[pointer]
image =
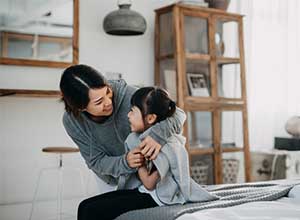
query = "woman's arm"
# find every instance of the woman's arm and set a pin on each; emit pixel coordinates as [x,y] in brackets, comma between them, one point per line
[157,135]
[95,158]
[148,180]
[166,128]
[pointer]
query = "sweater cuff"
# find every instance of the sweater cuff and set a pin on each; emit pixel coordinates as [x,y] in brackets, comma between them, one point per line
[157,138]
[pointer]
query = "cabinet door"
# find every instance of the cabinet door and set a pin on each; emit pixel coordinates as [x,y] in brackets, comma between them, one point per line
[228,50]
[166,34]
[200,130]
[232,130]
[195,33]
[227,37]
[235,161]
[229,83]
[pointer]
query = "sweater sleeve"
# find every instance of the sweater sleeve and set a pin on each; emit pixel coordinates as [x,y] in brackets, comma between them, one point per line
[161,131]
[95,158]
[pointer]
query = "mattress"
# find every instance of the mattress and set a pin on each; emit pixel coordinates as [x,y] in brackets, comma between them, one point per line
[286,208]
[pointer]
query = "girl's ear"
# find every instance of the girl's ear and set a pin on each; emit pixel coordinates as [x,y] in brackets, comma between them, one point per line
[151,118]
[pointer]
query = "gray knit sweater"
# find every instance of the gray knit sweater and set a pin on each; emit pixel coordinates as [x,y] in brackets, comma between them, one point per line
[102,144]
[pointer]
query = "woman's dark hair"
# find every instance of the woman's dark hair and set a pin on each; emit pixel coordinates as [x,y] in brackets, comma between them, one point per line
[152,100]
[75,83]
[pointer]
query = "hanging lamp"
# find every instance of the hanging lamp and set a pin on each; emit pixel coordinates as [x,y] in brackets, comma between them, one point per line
[124,22]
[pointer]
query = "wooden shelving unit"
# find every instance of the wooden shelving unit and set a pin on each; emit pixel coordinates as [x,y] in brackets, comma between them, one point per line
[192,41]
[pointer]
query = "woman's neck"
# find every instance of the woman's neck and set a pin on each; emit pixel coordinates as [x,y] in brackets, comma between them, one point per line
[98,119]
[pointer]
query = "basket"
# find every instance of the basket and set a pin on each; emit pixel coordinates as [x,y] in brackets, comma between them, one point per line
[230,170]
[199,172]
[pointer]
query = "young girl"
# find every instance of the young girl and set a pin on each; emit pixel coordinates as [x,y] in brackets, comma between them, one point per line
[166,182]
[168,179]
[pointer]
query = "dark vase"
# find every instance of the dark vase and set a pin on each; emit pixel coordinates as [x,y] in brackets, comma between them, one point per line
[218,4]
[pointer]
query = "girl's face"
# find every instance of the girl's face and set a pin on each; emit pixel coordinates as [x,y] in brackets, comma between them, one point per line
[136,120]
[100,103]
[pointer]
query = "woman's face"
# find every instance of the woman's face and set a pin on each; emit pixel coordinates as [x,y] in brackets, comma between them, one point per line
[136,120]
[100,103]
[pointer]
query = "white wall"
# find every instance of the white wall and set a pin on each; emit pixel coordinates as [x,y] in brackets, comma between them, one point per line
[29,124]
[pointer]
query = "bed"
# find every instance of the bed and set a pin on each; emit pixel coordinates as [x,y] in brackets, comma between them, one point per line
[276,200]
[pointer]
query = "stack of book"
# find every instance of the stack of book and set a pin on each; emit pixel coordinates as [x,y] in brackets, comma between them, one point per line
[200,3]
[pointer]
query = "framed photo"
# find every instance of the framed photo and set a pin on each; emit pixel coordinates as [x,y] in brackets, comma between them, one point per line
[198,84]
[171,83]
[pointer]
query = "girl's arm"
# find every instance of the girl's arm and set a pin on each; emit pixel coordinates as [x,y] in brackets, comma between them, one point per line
[148,180]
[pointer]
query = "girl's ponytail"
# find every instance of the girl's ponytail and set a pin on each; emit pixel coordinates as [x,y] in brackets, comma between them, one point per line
[172,108]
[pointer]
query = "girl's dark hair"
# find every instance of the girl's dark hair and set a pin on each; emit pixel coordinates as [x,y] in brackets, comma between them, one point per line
[75,83]
[152,100]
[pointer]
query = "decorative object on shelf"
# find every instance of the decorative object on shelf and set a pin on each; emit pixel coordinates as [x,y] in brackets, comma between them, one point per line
[198,84]
[218,4]
[292,126]
[200,3]
[220,47]
[124,22]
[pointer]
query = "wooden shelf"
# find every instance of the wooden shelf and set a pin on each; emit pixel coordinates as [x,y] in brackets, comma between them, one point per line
[200,151]
[198,56]
[30,93]
[228,60]
[232,149]
[193,103]
[166,56]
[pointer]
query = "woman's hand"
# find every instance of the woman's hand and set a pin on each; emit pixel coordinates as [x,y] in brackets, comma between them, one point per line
[134,158]
[150,148]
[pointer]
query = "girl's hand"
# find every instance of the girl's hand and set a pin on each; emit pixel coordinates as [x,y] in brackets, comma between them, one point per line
[134,158]
[150,148]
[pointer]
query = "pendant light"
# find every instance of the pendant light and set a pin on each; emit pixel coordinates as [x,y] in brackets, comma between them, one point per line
[124,22]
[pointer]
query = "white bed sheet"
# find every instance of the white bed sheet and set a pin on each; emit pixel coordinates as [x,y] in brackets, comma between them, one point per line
[287,208]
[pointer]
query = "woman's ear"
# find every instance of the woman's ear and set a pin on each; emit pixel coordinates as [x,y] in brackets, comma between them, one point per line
[151,118]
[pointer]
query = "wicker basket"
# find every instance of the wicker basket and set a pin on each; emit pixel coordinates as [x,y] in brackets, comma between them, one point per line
[230,170]
[199,172]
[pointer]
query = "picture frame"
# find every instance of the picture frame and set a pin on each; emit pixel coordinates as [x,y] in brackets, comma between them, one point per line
[171,83]
[198,84]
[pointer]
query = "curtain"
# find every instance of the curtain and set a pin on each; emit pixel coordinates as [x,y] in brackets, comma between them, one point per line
[272,48]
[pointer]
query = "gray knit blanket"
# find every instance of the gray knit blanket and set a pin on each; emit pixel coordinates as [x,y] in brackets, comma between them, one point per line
[229,195]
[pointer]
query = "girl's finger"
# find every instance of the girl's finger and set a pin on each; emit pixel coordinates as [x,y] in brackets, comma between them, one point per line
[154,155]
[150,152]
[145,150]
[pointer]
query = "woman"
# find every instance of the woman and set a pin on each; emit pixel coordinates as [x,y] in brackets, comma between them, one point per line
[96,120]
